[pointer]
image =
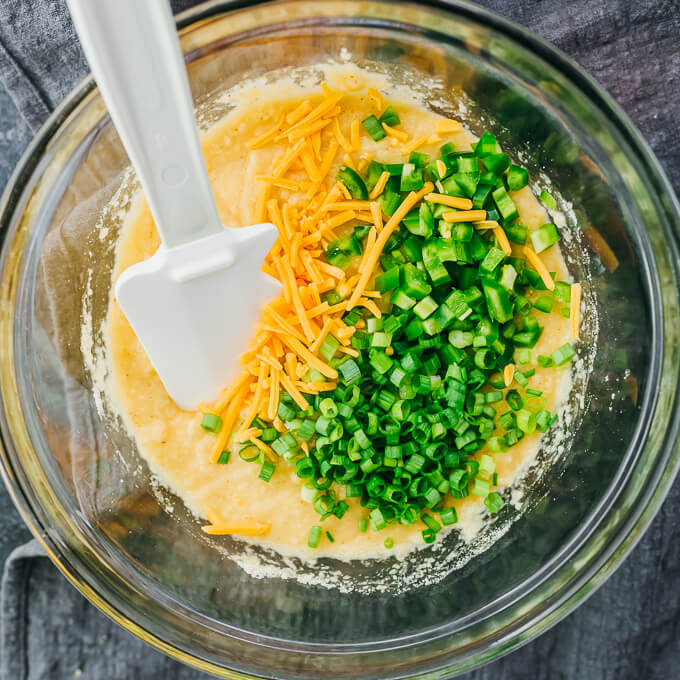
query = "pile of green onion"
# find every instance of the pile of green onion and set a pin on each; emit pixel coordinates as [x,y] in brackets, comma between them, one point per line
[404,430]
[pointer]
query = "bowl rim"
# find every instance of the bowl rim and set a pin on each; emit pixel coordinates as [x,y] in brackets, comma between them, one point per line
[628,535]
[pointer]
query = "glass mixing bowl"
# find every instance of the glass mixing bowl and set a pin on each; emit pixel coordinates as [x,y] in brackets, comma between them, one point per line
[77,478]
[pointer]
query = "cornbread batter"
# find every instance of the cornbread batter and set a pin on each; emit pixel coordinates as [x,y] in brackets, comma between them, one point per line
[172,441]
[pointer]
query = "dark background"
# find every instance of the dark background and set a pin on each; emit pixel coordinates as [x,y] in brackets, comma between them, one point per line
[627,630]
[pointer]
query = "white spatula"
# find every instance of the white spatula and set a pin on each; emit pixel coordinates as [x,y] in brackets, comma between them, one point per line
[193,305]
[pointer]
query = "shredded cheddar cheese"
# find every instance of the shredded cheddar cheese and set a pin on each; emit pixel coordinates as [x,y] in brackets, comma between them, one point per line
[502,239]
[447,126]
[279,182]
[379,186]
[296,114]
[453,201]
[299,197]
[355,129]
[413,144]
[393,132]
[376,97]
[266,449]
[229,422]
[508,374]
[543,272]
[242,528]
[375,251]
[465,216]
[268,136]
[486,224]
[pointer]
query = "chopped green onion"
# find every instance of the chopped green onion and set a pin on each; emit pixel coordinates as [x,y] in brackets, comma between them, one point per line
[562,291]
[517,233]
[505,204]
[497,163]
[563,354]
[480,487]
[544,303]
[493,502]
[354,184]
[547,199]
[314,536]
[411,178]
[211,423]
[388,280]
[373,173]
[448,516]
[517,178]
[267,470]
[390,117]
[413,418]
[374,128]
[514,400]
[544,237]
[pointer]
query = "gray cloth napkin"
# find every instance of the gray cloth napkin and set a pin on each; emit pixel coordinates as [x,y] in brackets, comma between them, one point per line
[629,629]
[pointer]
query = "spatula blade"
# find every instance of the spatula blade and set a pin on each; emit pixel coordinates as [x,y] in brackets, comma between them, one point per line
[194,308]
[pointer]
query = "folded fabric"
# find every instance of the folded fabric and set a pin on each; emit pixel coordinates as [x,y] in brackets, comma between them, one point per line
[628,629]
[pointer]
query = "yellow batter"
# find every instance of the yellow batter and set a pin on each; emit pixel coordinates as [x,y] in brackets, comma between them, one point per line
[171,440]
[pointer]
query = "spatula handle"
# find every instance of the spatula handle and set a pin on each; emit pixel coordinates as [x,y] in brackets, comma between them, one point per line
[134,53]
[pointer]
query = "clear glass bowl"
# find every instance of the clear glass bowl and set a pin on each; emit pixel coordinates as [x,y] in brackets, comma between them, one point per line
[80,486]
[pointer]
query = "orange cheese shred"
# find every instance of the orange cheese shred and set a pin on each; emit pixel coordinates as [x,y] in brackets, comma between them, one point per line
[465,216]
[314,115]
[376,97]
[314,347]
[453,201]
[379,185]
[413,144]
[370,244]
[298,112]
[354,130]
[245,435]
[279,182]
[267,450]
[281,322]
[543,272]
[352,204]
[252,409]
[503,242]
[376,216]
[291,364]
[326,164]
[295,394]
[240,528]
[370,305]
[309,164]
[268,136]
[342,140]
[447,126]
[309,358]
[229,421]
[486,224]
[508,374]
[375,252]
[397,134]
[227,394]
